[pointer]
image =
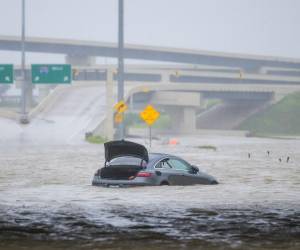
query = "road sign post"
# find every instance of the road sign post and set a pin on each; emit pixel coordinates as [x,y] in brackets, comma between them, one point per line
[150,115]
[120,108]
[120,128]
[51,73]
[119,118]
[150,136]
[6,74]
[24,116]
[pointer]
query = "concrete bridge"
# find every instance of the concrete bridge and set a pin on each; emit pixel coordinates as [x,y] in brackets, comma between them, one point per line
[84,52]
[178,74]
[183,92]
[218,77]
[185,102]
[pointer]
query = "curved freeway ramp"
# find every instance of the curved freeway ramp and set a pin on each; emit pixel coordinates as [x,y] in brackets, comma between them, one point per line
[64,119]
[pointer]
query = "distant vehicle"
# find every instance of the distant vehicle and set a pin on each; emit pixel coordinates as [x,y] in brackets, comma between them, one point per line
[129,164]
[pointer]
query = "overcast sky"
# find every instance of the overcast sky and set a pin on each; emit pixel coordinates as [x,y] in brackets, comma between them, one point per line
[263,27]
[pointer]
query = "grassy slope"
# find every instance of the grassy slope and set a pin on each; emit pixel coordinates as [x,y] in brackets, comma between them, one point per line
[96,139]
[283,118]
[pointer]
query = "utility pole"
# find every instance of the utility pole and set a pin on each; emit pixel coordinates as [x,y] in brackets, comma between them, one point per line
[120,130]
[24,118]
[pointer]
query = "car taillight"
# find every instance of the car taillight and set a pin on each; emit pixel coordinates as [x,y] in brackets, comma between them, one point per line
[144,174]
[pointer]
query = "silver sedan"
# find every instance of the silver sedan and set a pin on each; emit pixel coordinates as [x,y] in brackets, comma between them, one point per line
[129,164]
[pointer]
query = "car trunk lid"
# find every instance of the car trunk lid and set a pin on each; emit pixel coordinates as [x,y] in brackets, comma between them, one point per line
[123,169]
[115,149]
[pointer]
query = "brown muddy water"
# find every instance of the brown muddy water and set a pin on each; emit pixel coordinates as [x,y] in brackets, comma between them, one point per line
[47,201]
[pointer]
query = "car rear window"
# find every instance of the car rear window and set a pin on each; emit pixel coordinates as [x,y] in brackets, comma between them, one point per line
[127,160]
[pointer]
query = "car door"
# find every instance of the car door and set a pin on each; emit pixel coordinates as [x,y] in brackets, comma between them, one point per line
[168,172]
[183,172]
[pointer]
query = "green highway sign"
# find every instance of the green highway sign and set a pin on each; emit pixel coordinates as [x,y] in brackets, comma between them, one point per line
[51,73]
[6,73]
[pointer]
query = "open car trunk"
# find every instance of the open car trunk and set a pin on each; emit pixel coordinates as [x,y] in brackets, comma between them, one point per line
[123,159]
[119,172]
[115,149]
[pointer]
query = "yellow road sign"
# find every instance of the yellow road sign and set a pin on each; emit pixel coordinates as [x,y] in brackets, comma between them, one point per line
[149,115]
[118,118]
[121,107]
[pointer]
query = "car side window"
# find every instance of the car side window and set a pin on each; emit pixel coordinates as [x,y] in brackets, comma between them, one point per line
[163,164]
[179,165]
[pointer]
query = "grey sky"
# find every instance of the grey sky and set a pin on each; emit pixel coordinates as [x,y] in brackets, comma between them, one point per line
[264,27]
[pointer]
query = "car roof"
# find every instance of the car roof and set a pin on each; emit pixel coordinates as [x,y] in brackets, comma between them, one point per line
[157,156]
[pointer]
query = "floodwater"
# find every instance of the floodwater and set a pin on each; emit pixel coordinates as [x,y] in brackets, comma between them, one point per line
[47,201]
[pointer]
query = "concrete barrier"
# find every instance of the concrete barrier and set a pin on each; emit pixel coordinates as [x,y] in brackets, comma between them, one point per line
[51,98]
[9,114]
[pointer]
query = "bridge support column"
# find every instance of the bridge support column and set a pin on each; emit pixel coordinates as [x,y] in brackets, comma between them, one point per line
[165,77]
[106,128]
[29,95]
[109,105]
[183,119]
[81,60]
[189,120]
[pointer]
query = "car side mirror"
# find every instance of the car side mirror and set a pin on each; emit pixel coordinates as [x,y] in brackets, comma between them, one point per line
[195,169]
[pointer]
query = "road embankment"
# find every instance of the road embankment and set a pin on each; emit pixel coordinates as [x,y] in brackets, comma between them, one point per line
[8,113]
[282,118]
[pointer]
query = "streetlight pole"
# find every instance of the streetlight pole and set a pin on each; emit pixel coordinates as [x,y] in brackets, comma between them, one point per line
[120,131]
[23,118]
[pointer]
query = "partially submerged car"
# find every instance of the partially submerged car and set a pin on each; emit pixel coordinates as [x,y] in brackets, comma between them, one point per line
[129,164]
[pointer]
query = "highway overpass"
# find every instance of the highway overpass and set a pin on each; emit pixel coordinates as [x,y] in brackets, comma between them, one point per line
[83,52]
[185,102]
[178,74]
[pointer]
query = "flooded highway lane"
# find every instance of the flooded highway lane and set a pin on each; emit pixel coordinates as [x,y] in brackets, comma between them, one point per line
[47,201]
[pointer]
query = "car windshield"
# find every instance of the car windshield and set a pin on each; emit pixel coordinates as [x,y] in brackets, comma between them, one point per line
[127,160]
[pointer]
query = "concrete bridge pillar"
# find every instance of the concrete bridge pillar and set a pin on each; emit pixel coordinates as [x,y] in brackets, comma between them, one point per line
[182,108]
[109,104]
[29,95]
[189,120]
[80,60]
[28,92]
[183,119]
[106,128]
[165,77]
